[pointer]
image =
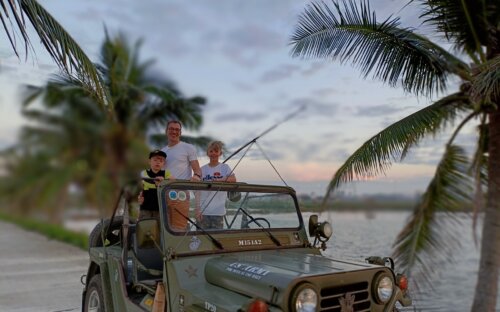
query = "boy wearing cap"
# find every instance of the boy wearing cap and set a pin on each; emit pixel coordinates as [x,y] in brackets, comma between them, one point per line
[148,197]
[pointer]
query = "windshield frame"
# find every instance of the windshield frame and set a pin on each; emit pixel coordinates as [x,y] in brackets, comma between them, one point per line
[185,185]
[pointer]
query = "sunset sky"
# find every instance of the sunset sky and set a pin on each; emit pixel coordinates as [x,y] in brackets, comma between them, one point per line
[236,53]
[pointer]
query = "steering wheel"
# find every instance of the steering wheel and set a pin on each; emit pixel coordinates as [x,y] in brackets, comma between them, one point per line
[256,221]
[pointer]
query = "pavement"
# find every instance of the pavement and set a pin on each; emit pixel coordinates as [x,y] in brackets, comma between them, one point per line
[37,273]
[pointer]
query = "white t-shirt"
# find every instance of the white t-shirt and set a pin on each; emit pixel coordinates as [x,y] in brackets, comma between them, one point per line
[215,206]
[179,159]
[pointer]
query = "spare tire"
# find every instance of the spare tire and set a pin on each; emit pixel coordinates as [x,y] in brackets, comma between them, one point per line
[111,237]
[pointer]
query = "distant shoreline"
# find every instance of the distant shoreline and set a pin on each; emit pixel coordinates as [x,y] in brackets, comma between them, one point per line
[364,205]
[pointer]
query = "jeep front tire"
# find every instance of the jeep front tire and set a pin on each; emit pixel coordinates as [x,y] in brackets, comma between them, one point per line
[94,301]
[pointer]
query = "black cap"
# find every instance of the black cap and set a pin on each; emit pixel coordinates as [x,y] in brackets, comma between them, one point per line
[157,153]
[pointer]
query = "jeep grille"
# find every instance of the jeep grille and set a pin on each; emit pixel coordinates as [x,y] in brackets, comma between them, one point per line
[330,297]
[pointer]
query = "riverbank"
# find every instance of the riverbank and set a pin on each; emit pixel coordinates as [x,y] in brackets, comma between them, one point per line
[52,231]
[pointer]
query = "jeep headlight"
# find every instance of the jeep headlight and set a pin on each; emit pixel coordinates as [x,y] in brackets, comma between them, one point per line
[384,287]
[305,299]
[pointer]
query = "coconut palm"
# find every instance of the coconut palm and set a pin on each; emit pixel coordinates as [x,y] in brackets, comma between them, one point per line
[72,141]
[59,44]
[58,150]
[350,32]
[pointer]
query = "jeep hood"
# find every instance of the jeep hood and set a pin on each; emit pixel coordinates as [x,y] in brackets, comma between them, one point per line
[265,274]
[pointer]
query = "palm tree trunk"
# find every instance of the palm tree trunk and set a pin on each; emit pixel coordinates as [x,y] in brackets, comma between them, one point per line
[118,146]
[487,284]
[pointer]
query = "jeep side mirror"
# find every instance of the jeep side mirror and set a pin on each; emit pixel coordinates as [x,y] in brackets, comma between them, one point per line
[321,231]
[147,233]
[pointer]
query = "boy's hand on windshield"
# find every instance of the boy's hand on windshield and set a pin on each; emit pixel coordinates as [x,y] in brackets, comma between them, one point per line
[140,198]
[158,180]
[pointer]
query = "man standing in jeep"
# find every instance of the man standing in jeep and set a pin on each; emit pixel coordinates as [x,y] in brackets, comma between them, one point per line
[182,159]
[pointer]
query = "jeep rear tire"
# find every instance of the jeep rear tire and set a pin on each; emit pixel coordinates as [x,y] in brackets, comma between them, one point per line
[113,237]
[94,300]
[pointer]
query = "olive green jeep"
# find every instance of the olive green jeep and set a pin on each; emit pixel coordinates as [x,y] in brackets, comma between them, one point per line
[256,257]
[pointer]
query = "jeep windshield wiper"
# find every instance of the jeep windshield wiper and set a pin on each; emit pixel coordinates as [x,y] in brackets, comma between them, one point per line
[213,239]
[254,220]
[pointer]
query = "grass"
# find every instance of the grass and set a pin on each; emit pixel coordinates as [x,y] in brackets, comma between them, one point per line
[52,231]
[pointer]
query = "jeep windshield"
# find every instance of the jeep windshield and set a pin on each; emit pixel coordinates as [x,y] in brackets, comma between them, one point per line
[233,215]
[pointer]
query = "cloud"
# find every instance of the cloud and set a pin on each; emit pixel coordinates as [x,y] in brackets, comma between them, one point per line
[275,150]
[314,68]
[314,107]
[189,30]
[240,116]
[286,71]
[278,73]
[324,92]
[377,110]
[255,37]
[247,59]
[294,149]
[336,154]
[349,140]
[330,135]
[23,73]
[243,86]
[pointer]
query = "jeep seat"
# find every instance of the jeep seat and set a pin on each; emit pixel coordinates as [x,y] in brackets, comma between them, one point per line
[148,260]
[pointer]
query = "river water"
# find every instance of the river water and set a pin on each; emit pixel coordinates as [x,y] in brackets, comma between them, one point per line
[359,235]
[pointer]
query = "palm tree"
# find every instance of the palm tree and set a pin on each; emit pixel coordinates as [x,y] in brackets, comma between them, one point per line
[59,44]
[349,32]
[77,142]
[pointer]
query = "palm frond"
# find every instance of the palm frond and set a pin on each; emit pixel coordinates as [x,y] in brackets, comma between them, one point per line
[165,106]
[19,24]
[38,183]
[486,84]
[38,136]
[49,119]
[466,22]
[431,232]
[200,142]
[59,44]
[392,144]
[394,55]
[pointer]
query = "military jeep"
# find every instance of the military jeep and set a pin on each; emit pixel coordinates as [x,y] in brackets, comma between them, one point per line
[259,259]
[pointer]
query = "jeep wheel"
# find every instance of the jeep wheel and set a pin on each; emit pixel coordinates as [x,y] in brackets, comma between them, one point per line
[94,301]
[113,237]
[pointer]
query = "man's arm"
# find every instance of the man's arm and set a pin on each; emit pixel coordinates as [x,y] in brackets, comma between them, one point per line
[195,165]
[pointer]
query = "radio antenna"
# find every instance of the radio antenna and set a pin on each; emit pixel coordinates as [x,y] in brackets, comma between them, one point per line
[254,140]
